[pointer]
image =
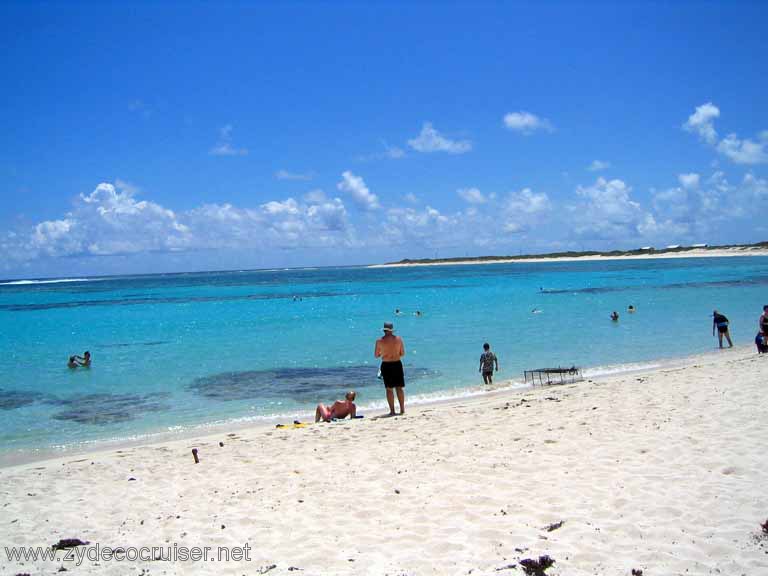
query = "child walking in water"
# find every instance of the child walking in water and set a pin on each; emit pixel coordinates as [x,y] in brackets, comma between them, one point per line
[487,361]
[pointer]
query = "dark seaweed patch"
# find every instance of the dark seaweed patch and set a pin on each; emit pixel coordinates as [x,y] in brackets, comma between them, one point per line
[100,409]
[300,384]
[12,399]
[159,300]
[754,281]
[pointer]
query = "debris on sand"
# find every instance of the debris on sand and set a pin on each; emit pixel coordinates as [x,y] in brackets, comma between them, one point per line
[637,572]
[68,543]
[536,567]
[554,526]
[764,526]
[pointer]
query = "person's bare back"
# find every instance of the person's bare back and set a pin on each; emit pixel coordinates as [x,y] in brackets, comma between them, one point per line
[389,348]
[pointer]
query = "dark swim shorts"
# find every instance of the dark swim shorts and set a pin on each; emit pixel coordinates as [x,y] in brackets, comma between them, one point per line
[392,374]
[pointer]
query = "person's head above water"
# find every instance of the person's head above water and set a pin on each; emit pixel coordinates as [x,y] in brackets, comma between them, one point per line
[351,396]
[389,327]
[71,359]
[486,346]
[87,354]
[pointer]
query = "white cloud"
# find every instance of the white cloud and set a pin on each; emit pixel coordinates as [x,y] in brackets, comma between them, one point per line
[356,188]
[702,122]
[598,166]
[286,175]
[316,196]
[526,122]
[411,198]
[430,140]
[527,202]
[111,221]
[689,181]
[745,151]
[224,146]
[607,211]
[472,195]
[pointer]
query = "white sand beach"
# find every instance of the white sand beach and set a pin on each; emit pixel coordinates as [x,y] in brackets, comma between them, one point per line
[662,471]
[694,253]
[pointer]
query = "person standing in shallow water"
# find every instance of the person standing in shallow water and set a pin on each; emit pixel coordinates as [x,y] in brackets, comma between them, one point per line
[487,360]
[390,349]
[720,322]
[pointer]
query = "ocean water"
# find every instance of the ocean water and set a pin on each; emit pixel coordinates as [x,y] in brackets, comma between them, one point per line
[182,351]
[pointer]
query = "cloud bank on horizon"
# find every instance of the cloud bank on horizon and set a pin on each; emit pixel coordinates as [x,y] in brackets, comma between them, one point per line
[111,220]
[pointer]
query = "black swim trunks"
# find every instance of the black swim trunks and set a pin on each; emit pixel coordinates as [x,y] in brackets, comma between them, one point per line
[392,374]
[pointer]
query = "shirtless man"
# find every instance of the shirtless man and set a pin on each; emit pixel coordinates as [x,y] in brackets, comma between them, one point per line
[340,409]
[763,322]
[390,349]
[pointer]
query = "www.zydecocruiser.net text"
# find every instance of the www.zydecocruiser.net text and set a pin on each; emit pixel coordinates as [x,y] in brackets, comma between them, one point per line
[97,553]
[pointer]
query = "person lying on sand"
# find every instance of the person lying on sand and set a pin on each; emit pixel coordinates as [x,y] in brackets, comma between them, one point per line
[340,409]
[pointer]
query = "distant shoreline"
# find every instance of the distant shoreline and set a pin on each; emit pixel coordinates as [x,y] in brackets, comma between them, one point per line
[709,252]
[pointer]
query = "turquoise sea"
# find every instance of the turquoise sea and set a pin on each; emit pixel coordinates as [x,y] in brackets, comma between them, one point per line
[178,352]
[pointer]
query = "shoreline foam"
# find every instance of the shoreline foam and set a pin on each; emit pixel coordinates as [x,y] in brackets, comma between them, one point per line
[373,408]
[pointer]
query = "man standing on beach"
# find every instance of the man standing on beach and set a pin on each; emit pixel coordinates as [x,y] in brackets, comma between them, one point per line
[390,349]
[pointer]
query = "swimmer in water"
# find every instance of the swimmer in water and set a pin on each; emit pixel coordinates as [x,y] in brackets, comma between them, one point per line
[615,316]
[397,312]
[535,311]
[84,360]
[72,362]
[631,309]
[417,313]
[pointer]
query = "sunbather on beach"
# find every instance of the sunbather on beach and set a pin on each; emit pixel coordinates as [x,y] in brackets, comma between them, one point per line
[339,410]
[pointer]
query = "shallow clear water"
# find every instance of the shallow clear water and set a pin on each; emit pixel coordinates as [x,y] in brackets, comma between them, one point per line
[176,351]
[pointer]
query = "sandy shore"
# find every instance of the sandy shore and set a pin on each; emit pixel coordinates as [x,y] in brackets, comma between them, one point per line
[663,471]
[695,253]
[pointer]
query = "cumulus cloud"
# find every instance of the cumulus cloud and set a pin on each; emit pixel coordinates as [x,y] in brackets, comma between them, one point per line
[606,211]
[526,122]
[286,175]
[472,195]
[701,122]
[689,181]
[430,140]
[224,146]
[356,188]
[527,202]
[111,221]
[745,151]
[598,166]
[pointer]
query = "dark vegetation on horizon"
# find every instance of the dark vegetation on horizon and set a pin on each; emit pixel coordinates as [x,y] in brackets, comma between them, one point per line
[574,254]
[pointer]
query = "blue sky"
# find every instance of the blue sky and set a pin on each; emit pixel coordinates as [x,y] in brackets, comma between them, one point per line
[150,137]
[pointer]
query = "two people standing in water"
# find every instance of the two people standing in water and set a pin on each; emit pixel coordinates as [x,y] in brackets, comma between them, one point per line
[83,361]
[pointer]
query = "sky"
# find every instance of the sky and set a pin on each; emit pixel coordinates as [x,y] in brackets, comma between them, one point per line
[161,137]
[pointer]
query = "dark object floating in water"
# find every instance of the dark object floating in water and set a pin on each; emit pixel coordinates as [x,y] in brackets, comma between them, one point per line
[304,385]
[12,399]
[553,375]
[537,567]
[68,543]
[108,408]
[554,526]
